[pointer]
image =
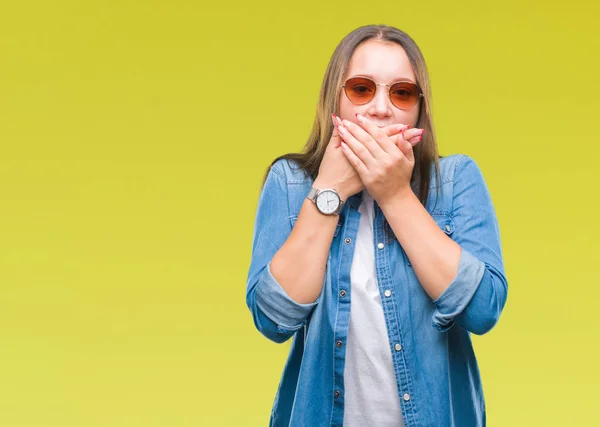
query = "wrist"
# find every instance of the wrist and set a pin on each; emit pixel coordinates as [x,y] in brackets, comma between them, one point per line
[323,184]
[402,196]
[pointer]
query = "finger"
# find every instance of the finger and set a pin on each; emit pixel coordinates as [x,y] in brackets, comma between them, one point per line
[357,147]
[335,133]
[400,141]
[414,140]
[354,160]
[379,135]
[406,140]
[338,122]
[366,139]
[335,136]
[410,133]
[395,129]
[395,133]
[406,146]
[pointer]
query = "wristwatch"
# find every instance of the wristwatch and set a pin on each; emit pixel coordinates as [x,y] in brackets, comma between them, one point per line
[327,200]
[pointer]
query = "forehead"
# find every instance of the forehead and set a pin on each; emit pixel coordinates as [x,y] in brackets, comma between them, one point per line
[385,62]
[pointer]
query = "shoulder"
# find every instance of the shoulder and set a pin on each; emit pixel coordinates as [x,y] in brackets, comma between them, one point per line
[293,184]
[466,182]
[457,167]
[290,172]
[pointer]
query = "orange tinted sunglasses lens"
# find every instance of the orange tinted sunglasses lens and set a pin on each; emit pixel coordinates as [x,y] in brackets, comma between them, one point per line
[404,94]
[361,90]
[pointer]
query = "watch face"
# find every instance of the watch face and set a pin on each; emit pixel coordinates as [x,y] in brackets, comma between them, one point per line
[328,201]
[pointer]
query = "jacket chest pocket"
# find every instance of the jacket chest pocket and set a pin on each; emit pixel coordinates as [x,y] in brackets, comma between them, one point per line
[445,223]
[293,219]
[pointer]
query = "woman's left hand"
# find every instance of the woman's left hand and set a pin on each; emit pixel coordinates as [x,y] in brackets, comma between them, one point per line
[384,167]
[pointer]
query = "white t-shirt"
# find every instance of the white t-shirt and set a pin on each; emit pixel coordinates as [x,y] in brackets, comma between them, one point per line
[371,394]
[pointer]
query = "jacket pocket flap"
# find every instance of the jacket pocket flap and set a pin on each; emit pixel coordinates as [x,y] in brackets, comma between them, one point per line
[445,223]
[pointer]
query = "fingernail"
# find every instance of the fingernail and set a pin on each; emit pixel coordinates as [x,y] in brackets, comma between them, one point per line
[360,118]
[333,119]
[422,131]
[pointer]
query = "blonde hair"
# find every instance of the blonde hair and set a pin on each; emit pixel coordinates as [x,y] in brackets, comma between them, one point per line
[425,152]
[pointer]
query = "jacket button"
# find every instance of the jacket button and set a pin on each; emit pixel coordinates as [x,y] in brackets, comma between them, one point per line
[387,293]
[342,293]
[338,343]
[397,347]
[380,245]
[447,228]
[336,393]
[348,240]
[406,397]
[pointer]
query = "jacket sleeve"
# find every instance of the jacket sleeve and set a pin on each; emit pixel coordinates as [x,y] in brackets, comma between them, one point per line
[477,294]
[275,314]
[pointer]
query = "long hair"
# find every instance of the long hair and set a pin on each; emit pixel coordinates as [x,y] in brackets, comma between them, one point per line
[425,152]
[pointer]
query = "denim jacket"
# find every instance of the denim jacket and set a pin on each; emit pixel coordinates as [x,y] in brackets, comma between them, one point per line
[434,363]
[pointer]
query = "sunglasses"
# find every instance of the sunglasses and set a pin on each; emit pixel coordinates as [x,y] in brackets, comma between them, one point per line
[403,95]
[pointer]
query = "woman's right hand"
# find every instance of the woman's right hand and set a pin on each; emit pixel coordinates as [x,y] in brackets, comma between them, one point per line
[335,171]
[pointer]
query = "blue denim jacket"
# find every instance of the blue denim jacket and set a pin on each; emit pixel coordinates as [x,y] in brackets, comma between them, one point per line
[435,367]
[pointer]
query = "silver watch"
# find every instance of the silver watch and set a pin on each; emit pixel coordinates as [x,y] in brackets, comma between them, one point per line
[327,200]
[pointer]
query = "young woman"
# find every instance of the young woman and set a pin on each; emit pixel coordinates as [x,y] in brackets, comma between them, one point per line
[375,255]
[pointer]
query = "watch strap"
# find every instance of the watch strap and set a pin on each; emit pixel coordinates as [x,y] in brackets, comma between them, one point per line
[340,207]
[312,194]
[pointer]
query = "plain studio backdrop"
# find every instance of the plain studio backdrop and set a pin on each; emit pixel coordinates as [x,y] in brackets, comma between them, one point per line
[133,139]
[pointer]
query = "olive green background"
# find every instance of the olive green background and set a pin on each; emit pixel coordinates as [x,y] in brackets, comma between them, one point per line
[133,138]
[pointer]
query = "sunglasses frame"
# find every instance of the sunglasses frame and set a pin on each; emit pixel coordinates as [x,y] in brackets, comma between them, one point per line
[389,91]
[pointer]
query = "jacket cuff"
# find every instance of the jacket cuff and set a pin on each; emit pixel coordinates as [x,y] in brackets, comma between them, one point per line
[460,291]
[277,305]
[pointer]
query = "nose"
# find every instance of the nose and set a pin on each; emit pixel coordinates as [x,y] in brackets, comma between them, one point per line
[380,105]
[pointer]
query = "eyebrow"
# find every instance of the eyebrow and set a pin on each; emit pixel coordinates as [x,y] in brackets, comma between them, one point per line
[400,79]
